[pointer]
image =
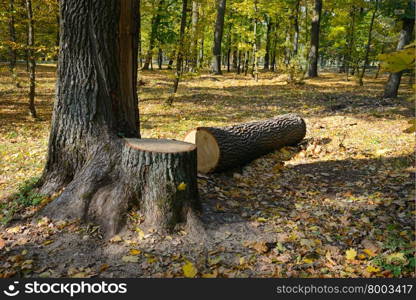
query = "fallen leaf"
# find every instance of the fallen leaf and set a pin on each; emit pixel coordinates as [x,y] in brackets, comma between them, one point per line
[189,270]
[2,243]
[116,239]
[182,186]
[130,258]
[135,252]
[372,269]
[350,254]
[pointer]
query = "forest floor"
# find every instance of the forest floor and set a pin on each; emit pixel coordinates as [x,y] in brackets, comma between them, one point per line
[339,205]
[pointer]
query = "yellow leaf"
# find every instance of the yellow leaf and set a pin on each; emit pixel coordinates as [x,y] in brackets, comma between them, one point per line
[135,252]
[182,186]
[140,233]
[307,260]
[130,258]
[116,239]
[45,243]
[350,254]
[369,252]
[371,269]
[189,270]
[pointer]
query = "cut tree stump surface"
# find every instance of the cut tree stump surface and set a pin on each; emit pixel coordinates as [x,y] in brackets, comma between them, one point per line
[160,145]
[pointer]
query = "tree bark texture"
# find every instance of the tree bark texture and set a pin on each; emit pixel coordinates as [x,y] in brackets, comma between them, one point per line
[392,86]
[166,179]
[219,28]
[314,50]
[31,58]
[96,106]
[224,148]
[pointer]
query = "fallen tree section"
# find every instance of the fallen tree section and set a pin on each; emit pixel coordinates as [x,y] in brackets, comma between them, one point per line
[222,148]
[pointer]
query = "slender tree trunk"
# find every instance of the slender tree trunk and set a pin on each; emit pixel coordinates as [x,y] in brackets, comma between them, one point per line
[12,50]
[160,58]
[139,33]
[239,62]
[219,27]
[235,59]
[247,60]
[31,58]
[255,58]
[194,43]
[350,47]
[296,28]
[268,45]
[153,34]
[392,86]
[179,59]
[368,46]
[314,50]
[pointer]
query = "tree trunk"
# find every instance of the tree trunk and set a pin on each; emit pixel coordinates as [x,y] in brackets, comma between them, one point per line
[160,58]
[167,181]
[296,28]
[220,149]
[96,105]
[12,50]
[179,59]
[153,34]
[368,46]
[392,86]
[194,42]
[314,50]
[219,26]
[31,58]
[139,34]
[268,44]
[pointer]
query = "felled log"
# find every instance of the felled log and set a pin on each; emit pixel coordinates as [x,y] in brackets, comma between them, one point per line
[166,173]
[223,148]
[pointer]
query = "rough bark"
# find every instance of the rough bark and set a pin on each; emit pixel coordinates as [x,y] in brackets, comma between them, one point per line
[166,176]
[31,58]
[220,149]
[314,50]
[392,86]
[96,106]
[139,34]
[219,27]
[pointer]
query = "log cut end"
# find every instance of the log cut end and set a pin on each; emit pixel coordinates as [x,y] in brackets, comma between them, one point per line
[208,151]
[160,145]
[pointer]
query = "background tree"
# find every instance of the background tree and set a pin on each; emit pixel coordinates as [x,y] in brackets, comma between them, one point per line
[314,50]
[219,28]
[408,22]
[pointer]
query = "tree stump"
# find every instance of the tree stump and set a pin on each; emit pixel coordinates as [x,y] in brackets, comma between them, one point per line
[228,147]
[167,173]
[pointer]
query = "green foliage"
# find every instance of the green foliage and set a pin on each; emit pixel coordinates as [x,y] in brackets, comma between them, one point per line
[398,60]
